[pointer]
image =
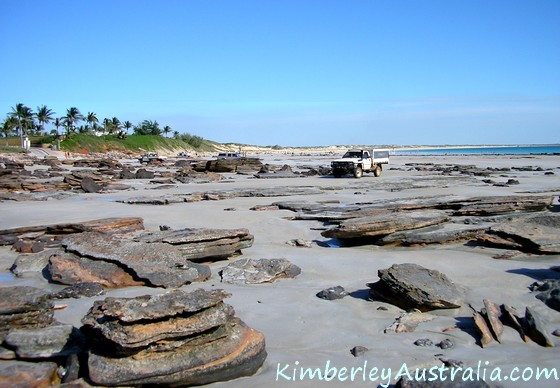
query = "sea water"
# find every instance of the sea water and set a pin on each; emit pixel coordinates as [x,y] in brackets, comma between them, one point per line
[553,149]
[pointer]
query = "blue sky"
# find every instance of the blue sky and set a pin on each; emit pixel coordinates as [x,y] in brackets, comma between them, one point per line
[294,72]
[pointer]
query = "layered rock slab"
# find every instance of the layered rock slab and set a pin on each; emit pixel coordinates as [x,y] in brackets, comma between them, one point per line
[177,338]
[386,223]
[410,286]
[158,264]
[537,233]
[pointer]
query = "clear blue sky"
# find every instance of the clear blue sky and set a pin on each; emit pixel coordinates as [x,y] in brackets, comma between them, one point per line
[294,72]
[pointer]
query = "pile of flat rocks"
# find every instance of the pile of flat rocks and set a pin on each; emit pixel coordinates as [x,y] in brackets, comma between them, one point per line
[177,338]
[35,349]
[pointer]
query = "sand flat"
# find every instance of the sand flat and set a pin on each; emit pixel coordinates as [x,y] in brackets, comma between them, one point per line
[302,330]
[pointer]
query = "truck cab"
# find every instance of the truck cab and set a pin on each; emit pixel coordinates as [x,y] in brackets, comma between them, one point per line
[358,161]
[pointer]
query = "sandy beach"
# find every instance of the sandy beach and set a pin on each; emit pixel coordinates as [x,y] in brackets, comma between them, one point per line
[303,331]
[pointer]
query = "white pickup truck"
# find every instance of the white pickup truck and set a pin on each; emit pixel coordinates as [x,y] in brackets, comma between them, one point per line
[357,162]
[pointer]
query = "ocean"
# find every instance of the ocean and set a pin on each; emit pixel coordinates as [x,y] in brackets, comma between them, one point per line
[553,149]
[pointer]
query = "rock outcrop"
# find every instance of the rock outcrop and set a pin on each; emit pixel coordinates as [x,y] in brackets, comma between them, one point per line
[534,233]
[411,286]
[177,338]
[251,271]
[157,264]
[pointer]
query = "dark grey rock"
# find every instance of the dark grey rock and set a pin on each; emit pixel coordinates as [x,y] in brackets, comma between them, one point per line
[424,342]
[385,223]
[535,233]
[446,344]
[47,342]
[90,186]
[251,271]
[142,173]
[358,351]
[411,286]
[202,243]
[80,290]
[549,293]
[332,293]
[536,329]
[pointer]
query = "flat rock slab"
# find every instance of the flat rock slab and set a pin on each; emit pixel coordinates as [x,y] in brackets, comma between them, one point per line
[70,269]
[158,264]
[252,271]
[104,225]
[202,243]
[536,233]
[437,234]
[28,374]
[24,306]
[488,206]
[153,307]
[51,341]
[410,286]
[385,223]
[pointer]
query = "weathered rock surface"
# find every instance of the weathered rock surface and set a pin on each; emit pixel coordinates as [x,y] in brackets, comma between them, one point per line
[536,329]
[24,306]
[232,165]
[251,271]
[411,286]
[535,233]
[493,314]
[70,269]
[437,234]
[80,290]
[28,374]
[32,263]
[202,243]
[509,316]
[332,293]
[481,325]
[176,338]
[156,263]
[408,322]
[384,224]
[47,342]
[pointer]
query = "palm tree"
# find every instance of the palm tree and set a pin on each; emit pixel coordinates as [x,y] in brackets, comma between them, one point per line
[166,130]
[57,124]
[91,120]
[44,116]
[176,135]
[24,117]
[127,125]
[73,116]
[115,125]
[8,127]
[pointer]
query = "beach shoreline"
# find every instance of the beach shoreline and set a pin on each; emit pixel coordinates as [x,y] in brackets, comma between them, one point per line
[303,331]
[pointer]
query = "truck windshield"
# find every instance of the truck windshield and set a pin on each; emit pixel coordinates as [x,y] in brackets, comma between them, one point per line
[353,154]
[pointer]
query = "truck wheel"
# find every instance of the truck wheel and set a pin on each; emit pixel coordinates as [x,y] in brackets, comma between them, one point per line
[377,170]
[358,172]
